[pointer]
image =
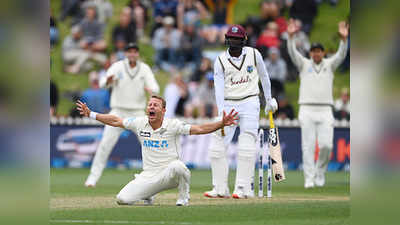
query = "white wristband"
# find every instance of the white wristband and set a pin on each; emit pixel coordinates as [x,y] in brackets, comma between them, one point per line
[93,115]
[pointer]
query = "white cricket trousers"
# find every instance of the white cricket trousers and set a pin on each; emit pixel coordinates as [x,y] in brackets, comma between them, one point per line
[108,141]
[149,183]
[248,113]
[316,124]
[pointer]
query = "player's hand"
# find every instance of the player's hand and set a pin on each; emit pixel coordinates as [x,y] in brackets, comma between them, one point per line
[82,108]
[271,105]
[343,30]
[229,119]
[292,28]
[110,79]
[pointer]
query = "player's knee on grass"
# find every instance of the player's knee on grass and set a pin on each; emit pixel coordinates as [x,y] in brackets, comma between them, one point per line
[178,168]
[123,200]
[247,145]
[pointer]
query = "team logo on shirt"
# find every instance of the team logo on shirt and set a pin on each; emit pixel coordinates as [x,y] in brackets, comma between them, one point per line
[250,69]
[144,134]
[235,29]
[155,144]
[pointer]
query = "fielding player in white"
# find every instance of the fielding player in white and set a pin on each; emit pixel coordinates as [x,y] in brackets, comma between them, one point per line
[236,75]
[316,101]
[130,79]
[159,137]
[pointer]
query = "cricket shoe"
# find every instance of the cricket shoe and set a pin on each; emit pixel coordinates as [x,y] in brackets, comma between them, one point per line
[309,184]
[240,194]
[213,194]
[90,182]
[182,202]
[146,201]
[184,195]
[319,180]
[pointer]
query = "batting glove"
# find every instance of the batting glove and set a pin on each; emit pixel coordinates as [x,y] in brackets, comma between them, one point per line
[271,105]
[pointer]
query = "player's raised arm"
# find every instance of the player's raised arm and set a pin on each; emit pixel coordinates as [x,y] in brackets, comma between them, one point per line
[294,54]
[340,55]
[107,119]
[206,128]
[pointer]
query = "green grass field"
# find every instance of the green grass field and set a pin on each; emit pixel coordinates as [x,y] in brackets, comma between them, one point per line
[291,204]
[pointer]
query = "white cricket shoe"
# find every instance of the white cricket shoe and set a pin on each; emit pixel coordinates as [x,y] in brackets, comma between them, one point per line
[308,184]
[213,194]
[182,202]
[146,201]
[319,180]
[90,181]
[240,194]
[184,195]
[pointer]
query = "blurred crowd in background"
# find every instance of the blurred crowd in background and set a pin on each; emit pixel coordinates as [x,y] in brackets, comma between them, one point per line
[181,39]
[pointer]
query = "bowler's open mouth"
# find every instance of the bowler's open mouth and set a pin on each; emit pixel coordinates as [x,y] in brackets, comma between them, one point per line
[152,113]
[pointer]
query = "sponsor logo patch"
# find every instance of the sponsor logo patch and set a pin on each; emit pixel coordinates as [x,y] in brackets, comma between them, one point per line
[240,81]
[144,134]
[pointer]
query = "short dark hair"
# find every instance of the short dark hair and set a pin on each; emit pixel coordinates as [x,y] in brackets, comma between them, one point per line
[131,45]
[317,45]
[164,103]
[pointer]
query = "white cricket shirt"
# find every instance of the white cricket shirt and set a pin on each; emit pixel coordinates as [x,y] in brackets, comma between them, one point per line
[159,147]
[316,80]
[129,83]
[237,77]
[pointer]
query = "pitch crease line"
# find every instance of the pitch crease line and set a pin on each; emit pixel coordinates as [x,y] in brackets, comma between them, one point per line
[118,222]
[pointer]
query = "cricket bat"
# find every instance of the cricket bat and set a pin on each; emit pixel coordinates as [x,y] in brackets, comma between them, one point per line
[275,151]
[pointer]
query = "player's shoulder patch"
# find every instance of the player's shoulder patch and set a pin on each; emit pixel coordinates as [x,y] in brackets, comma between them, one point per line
[131,119]
[129,122]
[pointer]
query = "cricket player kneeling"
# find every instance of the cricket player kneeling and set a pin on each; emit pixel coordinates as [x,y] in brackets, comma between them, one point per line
[159,137]
[149,183]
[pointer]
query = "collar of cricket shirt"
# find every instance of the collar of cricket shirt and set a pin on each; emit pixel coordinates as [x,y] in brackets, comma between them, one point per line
[132,72]
[241,57]
[161,129]
[317,67]
[235,58]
